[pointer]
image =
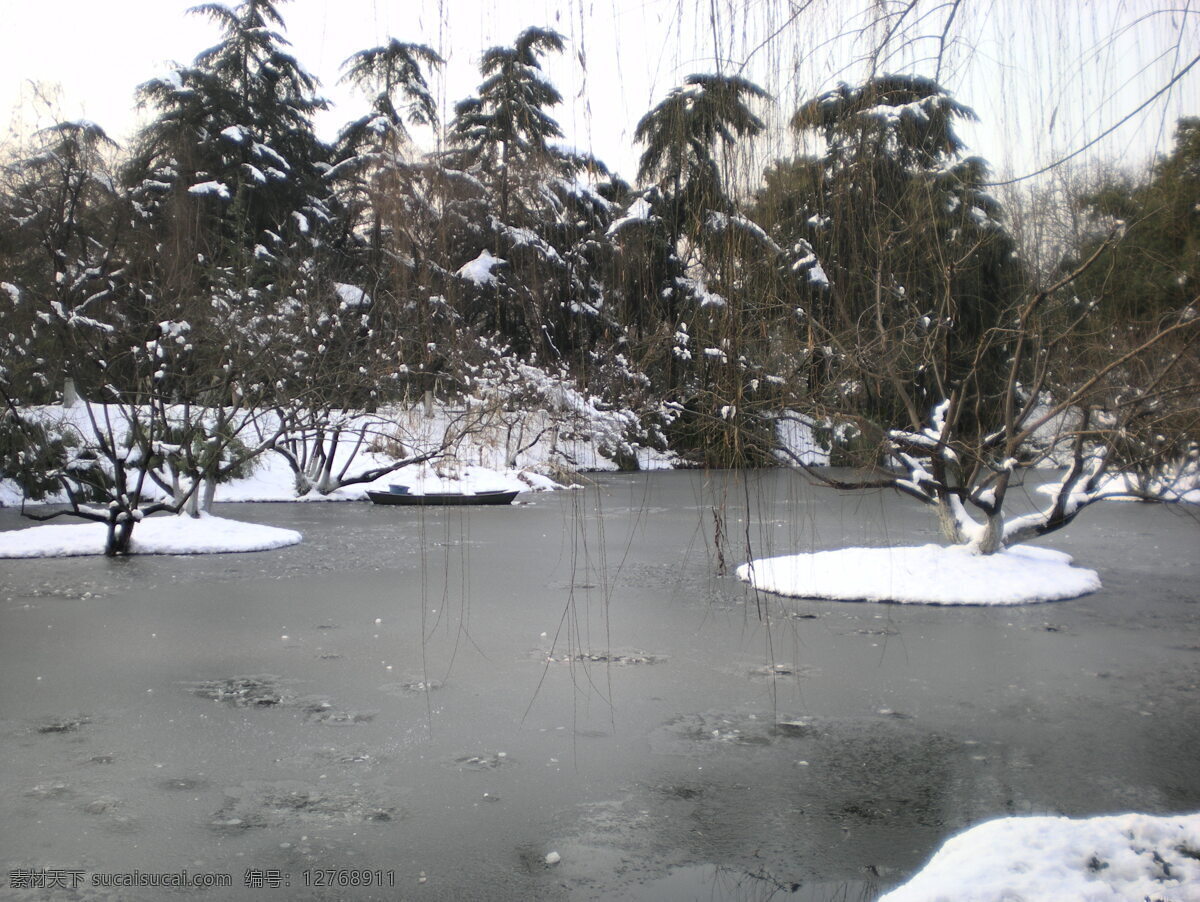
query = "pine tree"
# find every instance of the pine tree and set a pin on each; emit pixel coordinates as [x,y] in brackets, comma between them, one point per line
[373,150]
[687,250]
[233,142]
[230,195]
[684,136]
[506,127]
[544,208]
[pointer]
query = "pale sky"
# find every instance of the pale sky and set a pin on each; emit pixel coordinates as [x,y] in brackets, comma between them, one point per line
[1046,76]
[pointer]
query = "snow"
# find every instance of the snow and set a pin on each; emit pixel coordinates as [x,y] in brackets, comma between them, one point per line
[273,480]
[527,238]
[718,222]
[928,574]
[210,188]
[482,444]
[351,296]
[172,79]
[467,479]
[153,535]
[798,442]
[893,113]
[1177,484]
[638,211]
[479,270]
[265,152]
[1041,859]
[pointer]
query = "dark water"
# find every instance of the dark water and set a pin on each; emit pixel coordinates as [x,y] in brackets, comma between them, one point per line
[440,699]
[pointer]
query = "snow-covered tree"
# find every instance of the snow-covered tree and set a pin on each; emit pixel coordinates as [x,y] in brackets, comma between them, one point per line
[906,237]
[529,253]
[233,132]
[685,252]
[684,138]
[60,224]
[960,371]
[506,126]
[373,152]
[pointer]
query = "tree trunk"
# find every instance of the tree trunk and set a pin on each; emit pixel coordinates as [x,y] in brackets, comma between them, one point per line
[957,527]
[992,539]
[210,494]
[120,534]
[948,524]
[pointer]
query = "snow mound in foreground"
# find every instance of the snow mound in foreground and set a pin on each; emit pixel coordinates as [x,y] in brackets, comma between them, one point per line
[929,574]
[1039,859]
[154,535]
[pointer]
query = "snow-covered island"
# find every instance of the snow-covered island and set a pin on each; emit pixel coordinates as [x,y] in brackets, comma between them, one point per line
[163,534]
[928,574]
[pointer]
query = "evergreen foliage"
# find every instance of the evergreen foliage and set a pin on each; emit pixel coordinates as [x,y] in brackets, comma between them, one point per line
[1155,269]
[918,264]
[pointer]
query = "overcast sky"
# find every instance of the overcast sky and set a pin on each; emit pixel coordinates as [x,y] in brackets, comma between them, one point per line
[1046,76]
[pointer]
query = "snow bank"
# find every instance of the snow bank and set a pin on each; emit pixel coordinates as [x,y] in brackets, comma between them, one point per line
[929,574]
[154,535]
[1046,859]
[469,480]
[527,449]
[798,444]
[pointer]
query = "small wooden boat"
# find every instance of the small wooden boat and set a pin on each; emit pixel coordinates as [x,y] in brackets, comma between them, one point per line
[442,498]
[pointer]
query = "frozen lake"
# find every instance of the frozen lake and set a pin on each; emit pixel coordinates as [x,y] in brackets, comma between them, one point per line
[440,699]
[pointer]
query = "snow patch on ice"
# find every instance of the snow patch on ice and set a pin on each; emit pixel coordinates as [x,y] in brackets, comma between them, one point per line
[154,535]
[1040,859]
[929,574]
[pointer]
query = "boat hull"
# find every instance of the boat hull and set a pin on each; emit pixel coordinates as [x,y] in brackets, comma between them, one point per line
[454,499]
